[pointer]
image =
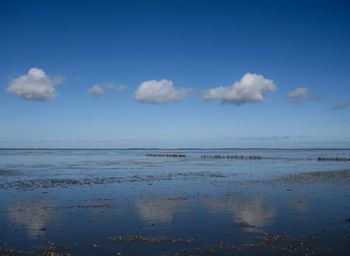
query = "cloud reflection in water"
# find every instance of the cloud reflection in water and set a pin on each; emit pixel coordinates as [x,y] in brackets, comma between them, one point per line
[248,213]
[32,215]
[153,208]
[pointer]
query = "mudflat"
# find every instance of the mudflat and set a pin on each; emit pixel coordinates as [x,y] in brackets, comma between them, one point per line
[133,202]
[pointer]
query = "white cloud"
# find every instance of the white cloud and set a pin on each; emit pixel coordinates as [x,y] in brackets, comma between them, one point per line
[299,95]
[35,85]
[159,92]
[251,88]
[96,90]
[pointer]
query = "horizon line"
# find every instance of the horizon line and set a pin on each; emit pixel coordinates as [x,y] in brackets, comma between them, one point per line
[177,148]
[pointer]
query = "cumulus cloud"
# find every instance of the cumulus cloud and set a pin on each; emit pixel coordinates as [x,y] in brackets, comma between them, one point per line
[35,85]
[251,88]
[159,92]
[341,105]
[96,90]
[299,95]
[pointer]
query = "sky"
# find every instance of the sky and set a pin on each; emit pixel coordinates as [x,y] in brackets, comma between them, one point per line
[170,74]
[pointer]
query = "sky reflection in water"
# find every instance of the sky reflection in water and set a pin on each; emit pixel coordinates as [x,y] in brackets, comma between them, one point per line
[209,201]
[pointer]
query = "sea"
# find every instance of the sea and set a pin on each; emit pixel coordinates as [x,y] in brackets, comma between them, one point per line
[174,201]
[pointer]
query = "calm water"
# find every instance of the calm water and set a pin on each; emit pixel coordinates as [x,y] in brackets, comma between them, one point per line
[92,202]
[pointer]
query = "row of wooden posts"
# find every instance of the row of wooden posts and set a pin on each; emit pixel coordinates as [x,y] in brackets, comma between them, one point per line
[244,157]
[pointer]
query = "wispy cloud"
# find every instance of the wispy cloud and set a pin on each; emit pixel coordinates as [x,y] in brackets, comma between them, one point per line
[159,92]
[262,138]
[250,89]
[341,105]
[96,90]
[300,95]
[35,85]
[117,88]
[303,136]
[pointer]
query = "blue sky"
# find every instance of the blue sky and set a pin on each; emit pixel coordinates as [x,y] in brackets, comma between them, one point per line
[174,74]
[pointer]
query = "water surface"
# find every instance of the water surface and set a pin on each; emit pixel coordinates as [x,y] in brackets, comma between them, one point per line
[105,202]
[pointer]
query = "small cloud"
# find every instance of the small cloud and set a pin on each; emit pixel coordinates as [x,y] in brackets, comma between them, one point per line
[341,105]
[268,138]
[250,89]
[35,85]
[96,90]
[299,95]
[304,136]
[117,88]
[121,88]
[159,92]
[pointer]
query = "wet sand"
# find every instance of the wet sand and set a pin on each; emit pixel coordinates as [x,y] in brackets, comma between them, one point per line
[176,207]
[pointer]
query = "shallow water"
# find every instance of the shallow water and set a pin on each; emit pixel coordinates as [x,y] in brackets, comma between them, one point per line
[104,202]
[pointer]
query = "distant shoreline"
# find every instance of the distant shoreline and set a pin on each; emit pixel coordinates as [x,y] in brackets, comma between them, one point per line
[39,148]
